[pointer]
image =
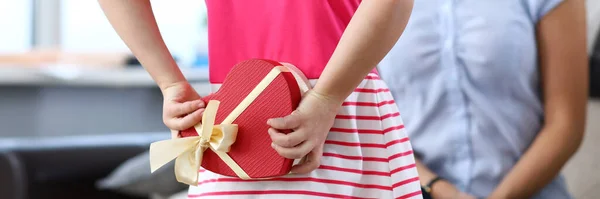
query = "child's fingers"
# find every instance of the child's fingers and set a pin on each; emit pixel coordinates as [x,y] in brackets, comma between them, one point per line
[312,162]
[187,121]
[178,109]
[295,152]
[175,134]
[291,121]
[192,119]
[286,140]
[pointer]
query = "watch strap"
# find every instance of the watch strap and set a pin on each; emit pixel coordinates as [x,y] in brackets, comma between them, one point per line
[428,186]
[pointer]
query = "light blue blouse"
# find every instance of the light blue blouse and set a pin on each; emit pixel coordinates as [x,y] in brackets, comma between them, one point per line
[465,77]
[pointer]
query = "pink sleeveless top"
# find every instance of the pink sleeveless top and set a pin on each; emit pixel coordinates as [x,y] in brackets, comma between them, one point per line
[303,33]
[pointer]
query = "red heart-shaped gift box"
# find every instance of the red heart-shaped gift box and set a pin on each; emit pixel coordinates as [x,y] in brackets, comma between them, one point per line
[252,149]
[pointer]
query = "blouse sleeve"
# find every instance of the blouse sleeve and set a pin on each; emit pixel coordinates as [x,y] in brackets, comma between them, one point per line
[539,8]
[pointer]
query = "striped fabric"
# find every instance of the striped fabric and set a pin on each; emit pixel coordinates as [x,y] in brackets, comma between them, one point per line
[366,155]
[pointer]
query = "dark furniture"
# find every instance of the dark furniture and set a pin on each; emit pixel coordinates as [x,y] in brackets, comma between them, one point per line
[595,68]
[66,167]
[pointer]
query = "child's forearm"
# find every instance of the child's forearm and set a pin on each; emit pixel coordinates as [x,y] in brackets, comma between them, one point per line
[372,32]
[134,22]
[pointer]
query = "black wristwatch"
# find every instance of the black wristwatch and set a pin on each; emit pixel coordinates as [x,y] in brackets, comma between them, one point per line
[427,188]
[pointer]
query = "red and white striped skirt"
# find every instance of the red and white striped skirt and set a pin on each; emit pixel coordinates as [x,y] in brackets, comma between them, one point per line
[367,154]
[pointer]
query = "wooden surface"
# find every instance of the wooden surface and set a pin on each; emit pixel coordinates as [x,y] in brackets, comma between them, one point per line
[68,75]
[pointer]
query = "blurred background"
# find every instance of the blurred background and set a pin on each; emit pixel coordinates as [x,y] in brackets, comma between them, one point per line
[77,112]
[61,63]
[75,105]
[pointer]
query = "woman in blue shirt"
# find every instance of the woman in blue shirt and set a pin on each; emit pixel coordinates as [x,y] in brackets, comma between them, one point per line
[493,94]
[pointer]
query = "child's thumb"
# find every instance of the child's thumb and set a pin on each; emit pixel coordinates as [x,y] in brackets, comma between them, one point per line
[291,121]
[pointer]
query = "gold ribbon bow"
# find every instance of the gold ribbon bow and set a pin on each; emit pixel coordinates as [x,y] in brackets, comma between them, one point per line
[188,151]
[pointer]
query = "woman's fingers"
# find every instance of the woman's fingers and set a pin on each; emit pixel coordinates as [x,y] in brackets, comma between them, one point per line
[286,140]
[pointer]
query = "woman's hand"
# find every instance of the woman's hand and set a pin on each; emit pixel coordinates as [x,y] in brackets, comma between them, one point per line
[462,195]
[182,107]
[445,190]
[442,189]
[310,123]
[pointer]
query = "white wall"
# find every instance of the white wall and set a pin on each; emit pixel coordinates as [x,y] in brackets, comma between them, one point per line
[593,13]
[15,23]
[85,28]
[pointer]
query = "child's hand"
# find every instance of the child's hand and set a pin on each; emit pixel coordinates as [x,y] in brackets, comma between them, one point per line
[182,107]
[311,123]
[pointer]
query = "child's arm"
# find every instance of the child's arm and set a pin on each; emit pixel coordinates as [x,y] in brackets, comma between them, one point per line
[372,32]
[135,24]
